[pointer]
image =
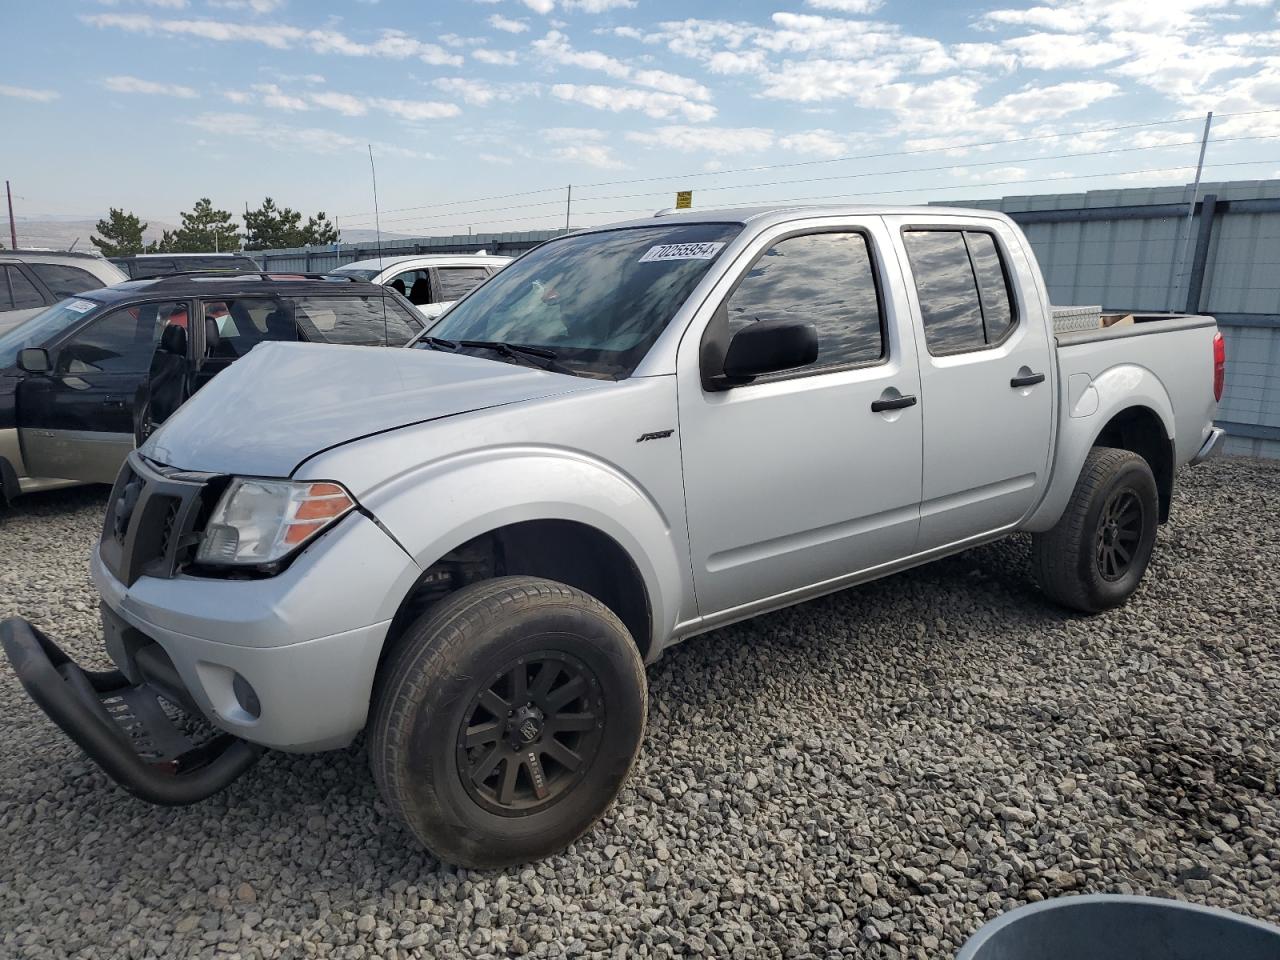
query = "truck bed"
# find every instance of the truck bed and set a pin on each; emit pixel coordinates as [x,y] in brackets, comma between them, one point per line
[1142,324]
[1169,368]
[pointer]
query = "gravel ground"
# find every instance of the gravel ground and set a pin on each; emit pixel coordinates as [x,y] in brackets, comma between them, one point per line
[874,774]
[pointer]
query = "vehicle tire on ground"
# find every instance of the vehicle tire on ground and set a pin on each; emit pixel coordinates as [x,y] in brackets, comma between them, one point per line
[506,720]
[1096,554]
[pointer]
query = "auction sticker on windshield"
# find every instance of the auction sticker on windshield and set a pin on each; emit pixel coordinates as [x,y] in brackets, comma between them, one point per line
[682,251]
[81,306]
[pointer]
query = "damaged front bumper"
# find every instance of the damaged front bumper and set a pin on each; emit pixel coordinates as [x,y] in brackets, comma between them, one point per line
[123,726]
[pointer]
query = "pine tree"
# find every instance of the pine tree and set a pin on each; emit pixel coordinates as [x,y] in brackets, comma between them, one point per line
[121,234]
[321,231]
[204,230]
[270,227]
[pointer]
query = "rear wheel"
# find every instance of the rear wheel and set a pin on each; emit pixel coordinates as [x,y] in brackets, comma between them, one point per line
[507,720]
[1095,556]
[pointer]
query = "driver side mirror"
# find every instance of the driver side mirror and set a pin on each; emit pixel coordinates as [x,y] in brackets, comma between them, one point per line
[34,360]
[767,346]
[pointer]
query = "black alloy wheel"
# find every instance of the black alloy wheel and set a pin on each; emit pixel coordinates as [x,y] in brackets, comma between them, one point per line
[1119,531]
[530,734]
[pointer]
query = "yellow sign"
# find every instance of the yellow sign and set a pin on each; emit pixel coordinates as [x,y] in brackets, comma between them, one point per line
[684,200]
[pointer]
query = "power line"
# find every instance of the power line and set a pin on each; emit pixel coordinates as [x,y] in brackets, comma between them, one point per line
[425,221]
[827,160]
[877,193]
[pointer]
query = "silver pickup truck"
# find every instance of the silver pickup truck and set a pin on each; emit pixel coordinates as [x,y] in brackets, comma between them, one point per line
[634,434]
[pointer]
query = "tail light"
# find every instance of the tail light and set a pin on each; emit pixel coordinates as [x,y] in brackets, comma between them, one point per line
[1219,366]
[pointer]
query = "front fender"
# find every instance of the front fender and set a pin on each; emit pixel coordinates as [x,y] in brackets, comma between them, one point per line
[1085,412]
[438,507]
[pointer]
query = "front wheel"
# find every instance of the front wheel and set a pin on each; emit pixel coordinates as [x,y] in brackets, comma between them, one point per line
[507,720]
[1095,555]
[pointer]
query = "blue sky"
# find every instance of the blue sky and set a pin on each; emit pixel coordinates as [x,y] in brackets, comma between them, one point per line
[150,104]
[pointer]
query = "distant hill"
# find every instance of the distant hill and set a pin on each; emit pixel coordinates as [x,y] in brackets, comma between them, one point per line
[58,233]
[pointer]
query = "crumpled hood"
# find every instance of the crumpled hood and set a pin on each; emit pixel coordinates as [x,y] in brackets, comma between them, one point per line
[285,402]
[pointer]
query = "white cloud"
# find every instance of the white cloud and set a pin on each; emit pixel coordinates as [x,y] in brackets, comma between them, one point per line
[255,6]
[820,143]
[586,145]
[28,93]
[507,24]
[808,81]
[123,84]
[847,6]
[416,109]
[555,48]
[591,154]
[651,103]
[596,6]
[391,44]
[343,103]
[169,4]
[540,6]
[705,139]
[271,96]
[300,140]
[1065,51]
[573,134]
[501,58]
[730,62]
[1049,103]
[277,99]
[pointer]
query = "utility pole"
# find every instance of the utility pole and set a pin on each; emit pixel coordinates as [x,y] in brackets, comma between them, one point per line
[1191,207]
[568,206]
[13,229]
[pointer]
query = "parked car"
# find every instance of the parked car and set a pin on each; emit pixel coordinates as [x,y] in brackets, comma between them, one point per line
[630,436]
[31,280]
[433,283]
[85,380]
[144,266]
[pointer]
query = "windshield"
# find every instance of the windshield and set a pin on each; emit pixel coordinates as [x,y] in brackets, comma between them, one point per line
[357,272]
[597,300]
[43,327]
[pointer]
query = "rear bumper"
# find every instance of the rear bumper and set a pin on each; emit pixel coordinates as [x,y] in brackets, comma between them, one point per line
[1212,445]
[122,726]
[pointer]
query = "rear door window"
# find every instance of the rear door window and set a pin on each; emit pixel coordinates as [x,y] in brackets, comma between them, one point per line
[414,284]
[361,321]
[457,282]
[962,287]
[64,281]
[234,327]
[17,292]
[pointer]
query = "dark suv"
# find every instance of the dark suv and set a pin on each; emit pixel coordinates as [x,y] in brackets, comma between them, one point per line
[83,382]
[144,266]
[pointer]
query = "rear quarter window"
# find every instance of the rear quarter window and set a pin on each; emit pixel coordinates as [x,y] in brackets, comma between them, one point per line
[64,281]
[367,321]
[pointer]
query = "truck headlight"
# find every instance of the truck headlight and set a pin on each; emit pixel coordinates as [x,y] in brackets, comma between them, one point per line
[262,521]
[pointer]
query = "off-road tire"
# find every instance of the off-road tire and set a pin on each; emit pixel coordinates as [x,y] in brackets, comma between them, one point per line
[426,692]
[1065,559]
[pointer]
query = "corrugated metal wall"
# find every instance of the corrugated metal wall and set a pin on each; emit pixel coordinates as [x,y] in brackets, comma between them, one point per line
[1136,250]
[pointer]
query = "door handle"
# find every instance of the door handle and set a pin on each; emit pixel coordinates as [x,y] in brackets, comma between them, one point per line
[113,403]
[897,403]
[1028,381]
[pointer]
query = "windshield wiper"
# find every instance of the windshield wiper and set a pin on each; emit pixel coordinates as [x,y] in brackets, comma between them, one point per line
[439,343]
[522,353]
